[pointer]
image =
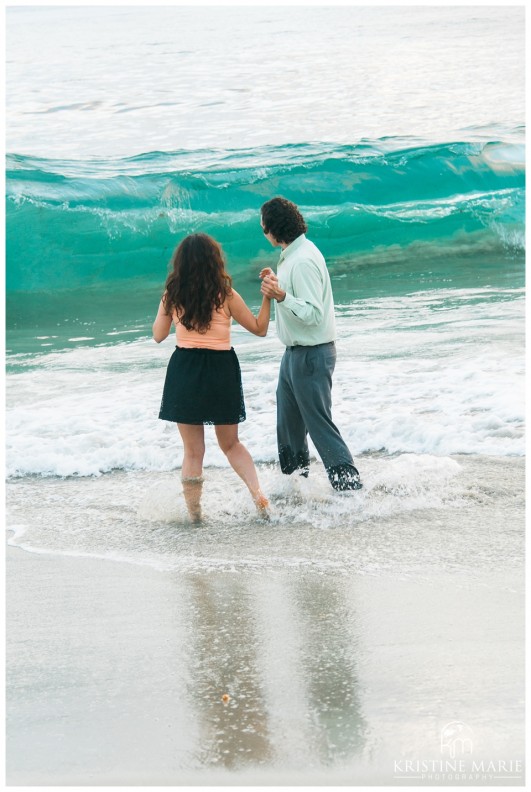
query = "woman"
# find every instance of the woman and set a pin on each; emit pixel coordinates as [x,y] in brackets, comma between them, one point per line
[203,380]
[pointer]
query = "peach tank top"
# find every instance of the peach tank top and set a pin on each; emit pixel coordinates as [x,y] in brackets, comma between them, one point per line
[216,337]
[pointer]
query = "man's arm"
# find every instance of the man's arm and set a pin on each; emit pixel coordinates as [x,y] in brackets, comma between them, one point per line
[306,304]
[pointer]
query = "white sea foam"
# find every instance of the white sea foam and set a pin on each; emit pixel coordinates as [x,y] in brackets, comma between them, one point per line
[413,509]
[435,373]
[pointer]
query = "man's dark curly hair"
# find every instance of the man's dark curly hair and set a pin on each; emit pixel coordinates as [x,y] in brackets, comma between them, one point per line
[281,218]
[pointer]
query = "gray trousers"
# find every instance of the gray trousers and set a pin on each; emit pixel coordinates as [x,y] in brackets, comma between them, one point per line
[304,406]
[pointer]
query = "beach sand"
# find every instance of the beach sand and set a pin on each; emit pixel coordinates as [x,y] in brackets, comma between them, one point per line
[117,672]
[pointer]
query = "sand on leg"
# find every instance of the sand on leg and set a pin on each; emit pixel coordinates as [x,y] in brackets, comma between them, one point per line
[193,437]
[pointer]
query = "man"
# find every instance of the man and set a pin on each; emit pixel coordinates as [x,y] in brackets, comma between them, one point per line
[306,325]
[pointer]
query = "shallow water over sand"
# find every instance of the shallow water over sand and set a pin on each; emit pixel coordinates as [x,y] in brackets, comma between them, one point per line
[416,512]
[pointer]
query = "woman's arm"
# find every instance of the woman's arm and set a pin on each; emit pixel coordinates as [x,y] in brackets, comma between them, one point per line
[245,317]
[162,324]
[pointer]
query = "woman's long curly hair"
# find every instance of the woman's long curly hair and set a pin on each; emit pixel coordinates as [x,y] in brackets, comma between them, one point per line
[198,283]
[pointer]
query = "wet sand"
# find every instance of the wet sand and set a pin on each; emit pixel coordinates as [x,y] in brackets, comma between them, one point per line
[117,673]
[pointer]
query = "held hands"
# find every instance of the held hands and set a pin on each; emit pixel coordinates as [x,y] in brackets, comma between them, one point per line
[270,287]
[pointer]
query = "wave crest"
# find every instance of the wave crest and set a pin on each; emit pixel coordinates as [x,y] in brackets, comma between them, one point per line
[88,221]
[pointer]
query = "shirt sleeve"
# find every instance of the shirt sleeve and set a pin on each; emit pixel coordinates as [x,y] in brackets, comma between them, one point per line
[306,303]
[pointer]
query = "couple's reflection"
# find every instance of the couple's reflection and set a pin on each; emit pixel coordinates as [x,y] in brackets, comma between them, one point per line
[273,667]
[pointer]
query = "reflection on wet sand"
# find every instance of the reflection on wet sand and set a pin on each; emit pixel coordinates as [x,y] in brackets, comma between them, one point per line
[117,674]
[329,665]
[273,670]
[223,663]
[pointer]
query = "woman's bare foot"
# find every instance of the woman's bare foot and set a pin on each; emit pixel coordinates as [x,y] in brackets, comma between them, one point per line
[261,503]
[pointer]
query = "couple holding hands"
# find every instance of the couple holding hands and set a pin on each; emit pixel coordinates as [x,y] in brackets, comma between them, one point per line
[203,379]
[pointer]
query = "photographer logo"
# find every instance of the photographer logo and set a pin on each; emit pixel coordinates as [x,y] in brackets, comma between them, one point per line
[456,739]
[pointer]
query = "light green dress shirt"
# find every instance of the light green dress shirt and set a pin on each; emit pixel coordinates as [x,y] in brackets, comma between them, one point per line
[306,316]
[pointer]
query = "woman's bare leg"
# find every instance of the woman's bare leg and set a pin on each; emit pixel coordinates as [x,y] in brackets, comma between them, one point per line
[193,438]
[241,461]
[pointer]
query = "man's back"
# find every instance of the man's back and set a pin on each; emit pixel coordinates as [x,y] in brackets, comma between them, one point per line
[306,316]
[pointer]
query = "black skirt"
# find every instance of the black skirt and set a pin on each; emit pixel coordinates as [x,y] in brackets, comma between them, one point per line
[203,386]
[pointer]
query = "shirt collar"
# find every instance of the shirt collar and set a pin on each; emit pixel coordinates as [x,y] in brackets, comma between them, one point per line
[292,247]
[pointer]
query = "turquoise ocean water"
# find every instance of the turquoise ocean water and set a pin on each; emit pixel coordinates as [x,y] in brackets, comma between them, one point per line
[400,134]
[397,135]
[391,216]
